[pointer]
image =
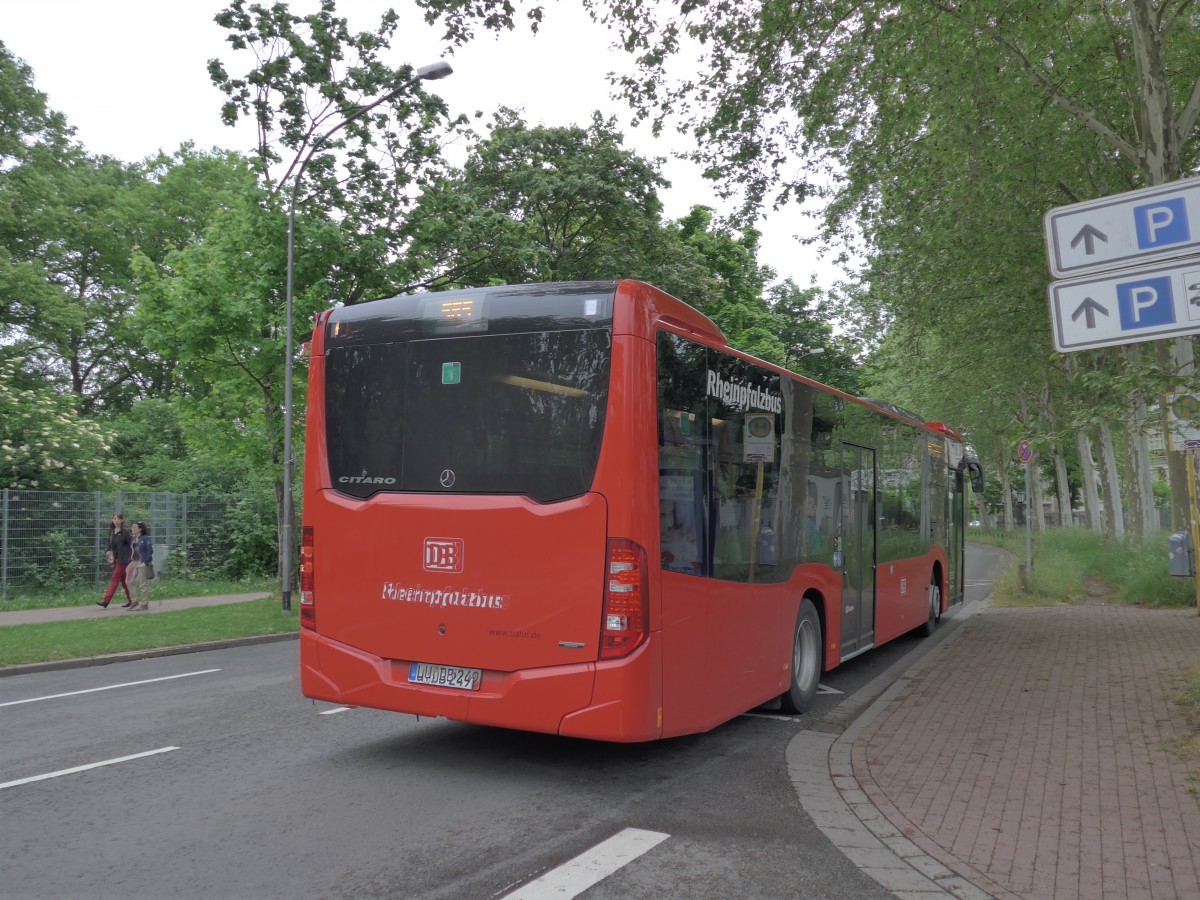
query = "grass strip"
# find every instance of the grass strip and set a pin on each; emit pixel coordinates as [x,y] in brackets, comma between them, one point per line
[1134,572]
[1189,742]
[160,589]
[125,631]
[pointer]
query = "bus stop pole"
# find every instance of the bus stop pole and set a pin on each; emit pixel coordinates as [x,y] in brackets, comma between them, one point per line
[1028,525]
[1192,520]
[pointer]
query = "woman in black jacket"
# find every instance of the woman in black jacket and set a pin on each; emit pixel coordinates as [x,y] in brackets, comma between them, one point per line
[120,551]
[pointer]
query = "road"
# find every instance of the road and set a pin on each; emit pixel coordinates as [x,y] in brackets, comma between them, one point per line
[249,791]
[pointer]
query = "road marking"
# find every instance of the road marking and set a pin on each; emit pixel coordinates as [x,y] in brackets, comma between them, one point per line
[758,715]
[826,689]
[107,762]
[336,709]
[591,867]
[109,687]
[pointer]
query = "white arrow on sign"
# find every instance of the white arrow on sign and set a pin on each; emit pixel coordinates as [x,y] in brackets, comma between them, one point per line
[1133,228]
[1126,307]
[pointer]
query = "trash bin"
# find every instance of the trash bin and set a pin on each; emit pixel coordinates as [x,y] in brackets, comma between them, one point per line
[1179,546]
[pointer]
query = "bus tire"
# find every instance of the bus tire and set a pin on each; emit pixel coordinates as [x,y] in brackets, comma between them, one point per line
[935,609]
[806,660]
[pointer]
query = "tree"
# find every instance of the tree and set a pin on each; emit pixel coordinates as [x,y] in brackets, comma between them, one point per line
[45,444]
[219,302]
[202,304]
[925,112]
[535,204]
[64,248]
[310,74]
[28,128]
[542,203]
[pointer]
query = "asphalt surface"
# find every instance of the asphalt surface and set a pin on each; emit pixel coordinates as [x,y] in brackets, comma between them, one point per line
[1029,753]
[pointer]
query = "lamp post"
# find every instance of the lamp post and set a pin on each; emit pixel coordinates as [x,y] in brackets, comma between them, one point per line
[816,351]
[431,72]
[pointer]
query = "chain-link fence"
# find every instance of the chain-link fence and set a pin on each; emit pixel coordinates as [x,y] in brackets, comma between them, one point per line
[57,539]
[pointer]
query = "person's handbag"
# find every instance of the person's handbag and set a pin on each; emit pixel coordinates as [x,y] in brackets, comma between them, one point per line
[150,571]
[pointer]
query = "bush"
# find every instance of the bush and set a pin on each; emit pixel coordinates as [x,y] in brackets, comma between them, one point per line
[63,566]
[252,540]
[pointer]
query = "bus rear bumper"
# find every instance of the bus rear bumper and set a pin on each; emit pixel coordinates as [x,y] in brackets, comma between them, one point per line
[602,701]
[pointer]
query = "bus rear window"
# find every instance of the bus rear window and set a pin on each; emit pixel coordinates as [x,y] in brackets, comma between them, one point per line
[507,413]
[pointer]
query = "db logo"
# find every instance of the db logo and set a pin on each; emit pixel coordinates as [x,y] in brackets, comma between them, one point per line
[443,554]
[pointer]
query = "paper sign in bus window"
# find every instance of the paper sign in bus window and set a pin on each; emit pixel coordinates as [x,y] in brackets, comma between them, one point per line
[758,441]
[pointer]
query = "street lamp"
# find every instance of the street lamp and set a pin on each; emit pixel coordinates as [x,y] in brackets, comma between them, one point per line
[813,352]
[431,72]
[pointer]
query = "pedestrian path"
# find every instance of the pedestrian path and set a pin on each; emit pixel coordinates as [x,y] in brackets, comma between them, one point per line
[91,611]
[1034,754]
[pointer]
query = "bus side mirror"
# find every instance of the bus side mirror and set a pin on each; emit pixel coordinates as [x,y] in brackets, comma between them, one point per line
[976,469]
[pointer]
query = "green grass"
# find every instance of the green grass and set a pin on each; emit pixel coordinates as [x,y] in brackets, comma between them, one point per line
[160,589]
[1189,744]
[1133,572]
[123,633]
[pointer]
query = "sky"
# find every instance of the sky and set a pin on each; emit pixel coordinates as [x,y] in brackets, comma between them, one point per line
[131,77]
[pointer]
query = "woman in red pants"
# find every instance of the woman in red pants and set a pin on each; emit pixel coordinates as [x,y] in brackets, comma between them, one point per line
[120,551]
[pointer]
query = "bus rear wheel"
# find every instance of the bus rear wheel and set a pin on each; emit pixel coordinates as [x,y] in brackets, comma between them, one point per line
[935,610]
[806,660]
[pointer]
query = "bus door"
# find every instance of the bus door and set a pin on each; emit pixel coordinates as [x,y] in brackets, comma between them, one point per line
[955,523]
[858,543]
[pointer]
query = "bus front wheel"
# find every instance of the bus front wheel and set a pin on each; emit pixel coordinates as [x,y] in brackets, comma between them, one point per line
[806,659]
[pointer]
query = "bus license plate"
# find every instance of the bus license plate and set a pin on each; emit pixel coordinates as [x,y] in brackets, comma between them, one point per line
[445,676]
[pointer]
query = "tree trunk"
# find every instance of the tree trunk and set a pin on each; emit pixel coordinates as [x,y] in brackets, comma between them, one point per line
[1114,516]
[279,527]
[1131,486]
[1150,523]
[1006,493]
[1160,164]
[1179,355]
[1062,487]
[1087,467]
[1034,502]
[1142,517]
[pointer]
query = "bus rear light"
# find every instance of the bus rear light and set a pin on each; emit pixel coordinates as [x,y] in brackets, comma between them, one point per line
[626,620]
[308,603]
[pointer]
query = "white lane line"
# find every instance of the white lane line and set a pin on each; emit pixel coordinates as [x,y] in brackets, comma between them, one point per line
[96,765]
[336,709]
[826,689]
[575,876]
[758,715]
[109,687]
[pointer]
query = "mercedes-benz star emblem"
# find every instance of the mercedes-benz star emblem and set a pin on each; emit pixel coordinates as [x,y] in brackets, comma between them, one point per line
[447,478]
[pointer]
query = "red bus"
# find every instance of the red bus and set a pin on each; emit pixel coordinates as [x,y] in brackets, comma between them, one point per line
[575,509]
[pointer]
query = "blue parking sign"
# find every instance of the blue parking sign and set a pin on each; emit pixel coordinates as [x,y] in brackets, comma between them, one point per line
[1162,223]
[1145,303]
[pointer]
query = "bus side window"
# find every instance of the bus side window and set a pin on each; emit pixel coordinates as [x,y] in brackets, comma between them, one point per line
[680,549]
[748,453]
[682,440]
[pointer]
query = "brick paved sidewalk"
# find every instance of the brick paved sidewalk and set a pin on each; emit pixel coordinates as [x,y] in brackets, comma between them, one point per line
[1034,755]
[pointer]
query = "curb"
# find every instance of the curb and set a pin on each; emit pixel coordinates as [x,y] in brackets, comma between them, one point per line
[821,770]
[178,650]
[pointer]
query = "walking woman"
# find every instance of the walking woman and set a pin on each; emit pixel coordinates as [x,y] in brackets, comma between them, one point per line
[141,569]
[120,551]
